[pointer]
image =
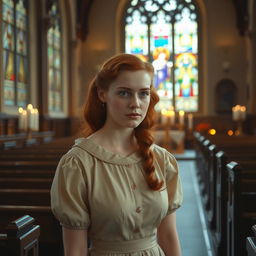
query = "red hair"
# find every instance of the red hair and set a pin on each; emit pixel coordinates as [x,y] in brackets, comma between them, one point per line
[95,114]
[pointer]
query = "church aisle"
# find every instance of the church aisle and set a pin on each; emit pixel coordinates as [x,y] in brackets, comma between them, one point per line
[190,217]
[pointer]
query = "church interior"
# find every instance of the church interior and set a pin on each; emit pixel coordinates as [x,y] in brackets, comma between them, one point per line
[204,56]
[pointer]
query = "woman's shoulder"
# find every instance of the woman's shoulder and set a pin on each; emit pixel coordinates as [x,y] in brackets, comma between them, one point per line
[78,153]
[163,157]
[161,152]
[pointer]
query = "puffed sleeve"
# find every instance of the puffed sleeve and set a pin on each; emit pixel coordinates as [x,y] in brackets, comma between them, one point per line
[173,183]
[69,193]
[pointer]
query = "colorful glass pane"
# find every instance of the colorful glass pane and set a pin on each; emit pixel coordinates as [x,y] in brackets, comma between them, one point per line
[22,94]
[9,93]
[165,32]
[54,61]
[8,36]
[21,44]
[137,37]
[50,36]
[8,12]
[21,15]
[161,51]
[186,63]
[21,69]
[56,35]
[50,56]
[9,69]
[15,64]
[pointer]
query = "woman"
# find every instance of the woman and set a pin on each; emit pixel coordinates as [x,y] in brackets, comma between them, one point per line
[115,186]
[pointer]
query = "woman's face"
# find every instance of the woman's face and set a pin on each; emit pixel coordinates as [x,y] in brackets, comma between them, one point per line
[127,99]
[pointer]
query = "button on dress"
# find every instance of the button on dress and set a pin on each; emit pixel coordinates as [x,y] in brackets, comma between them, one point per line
[107,194]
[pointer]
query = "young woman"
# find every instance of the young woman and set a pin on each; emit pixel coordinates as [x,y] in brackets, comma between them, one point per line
[115,186]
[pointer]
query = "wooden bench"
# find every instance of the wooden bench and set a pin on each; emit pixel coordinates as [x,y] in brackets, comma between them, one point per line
[251,243]
[21,238]
[241,209]
[50,240]
[22,140]
[25,183]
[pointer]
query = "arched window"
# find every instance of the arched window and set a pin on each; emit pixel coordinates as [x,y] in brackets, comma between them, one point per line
[165,32]
[15,52]
[54,59]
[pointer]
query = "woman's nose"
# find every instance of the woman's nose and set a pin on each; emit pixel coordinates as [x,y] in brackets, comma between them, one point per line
[134,103]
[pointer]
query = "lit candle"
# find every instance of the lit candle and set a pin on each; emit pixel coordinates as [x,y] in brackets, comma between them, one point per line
[163,116]
[29,116]
[181,117]
[243,112]
[235,112]
[25,120]
[172,117]
[20,117]
[190,121]
[36,114]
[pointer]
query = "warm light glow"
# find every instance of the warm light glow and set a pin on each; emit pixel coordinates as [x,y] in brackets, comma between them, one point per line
[212,131]
[30,106]
[230,132]
[181,113]
[243,108]
[20,109]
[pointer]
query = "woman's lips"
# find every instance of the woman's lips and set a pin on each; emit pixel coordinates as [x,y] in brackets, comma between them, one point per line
[133,116]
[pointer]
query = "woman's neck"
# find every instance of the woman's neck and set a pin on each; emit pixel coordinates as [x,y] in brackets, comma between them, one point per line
[118,141]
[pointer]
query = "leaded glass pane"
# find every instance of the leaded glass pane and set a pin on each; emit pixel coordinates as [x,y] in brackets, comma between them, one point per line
[165,33]
[8,11]
[137,36]
[161,50]
[15,57]
[55,93]
[186,63]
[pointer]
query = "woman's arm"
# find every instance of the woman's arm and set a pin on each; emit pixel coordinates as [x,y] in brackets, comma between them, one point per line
[168,237]
[75,242]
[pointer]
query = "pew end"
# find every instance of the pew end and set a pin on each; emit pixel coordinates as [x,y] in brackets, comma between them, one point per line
[21,237]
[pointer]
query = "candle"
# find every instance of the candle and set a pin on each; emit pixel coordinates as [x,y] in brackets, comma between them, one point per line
[20,118]
[190,121]
[172,117]
[36,114]
[239,113]
[163,116]
[243,112]
[24,120]
[29,116]
[181,117]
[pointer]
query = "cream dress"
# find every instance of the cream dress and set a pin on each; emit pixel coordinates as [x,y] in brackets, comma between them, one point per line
[107,194]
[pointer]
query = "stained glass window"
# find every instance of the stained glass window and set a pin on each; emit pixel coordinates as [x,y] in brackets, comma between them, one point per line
[165,32]
[15,52]
[55,94]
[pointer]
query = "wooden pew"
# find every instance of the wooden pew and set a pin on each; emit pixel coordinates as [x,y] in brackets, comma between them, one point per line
[251,243]
[22,140]
[50,240]
[21,238]
[26,181]
[215,185]
[241,209]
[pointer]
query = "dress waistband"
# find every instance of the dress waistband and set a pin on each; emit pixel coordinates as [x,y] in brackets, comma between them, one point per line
[124,246]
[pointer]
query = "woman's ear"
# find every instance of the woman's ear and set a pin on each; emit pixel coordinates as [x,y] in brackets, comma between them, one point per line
[101,94]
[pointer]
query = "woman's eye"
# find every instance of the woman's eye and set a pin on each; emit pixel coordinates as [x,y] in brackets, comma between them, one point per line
[144,93]
[123,93]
